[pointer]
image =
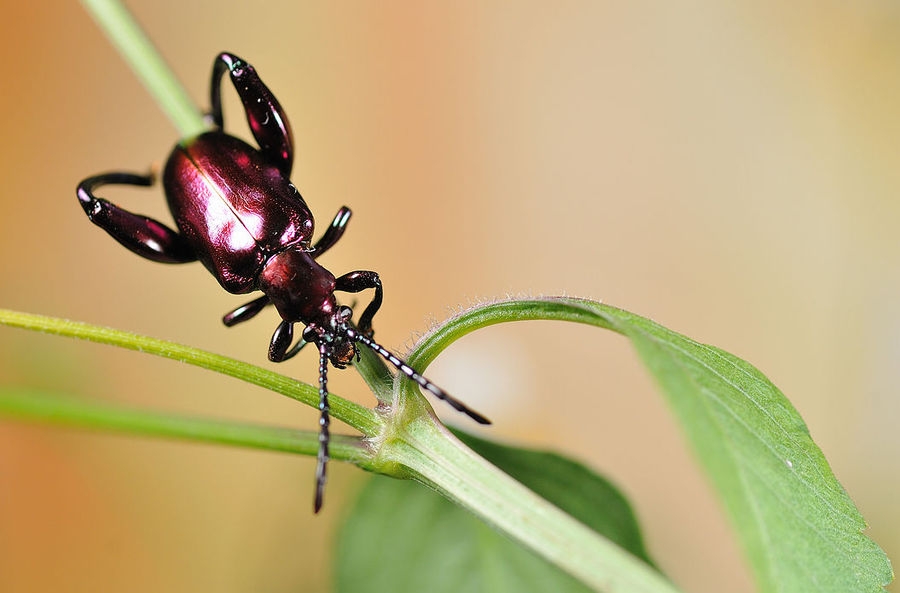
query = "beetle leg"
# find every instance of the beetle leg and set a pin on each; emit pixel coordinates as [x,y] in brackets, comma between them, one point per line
[279,347]
[267,119]
[246,311]
[334,232]
[357,282]
[143,235]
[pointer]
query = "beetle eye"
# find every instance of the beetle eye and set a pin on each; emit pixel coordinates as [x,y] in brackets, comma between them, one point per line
[344,313]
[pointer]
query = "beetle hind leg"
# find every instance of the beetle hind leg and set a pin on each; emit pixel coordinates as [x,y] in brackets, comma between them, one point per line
[267,119]
[145,236]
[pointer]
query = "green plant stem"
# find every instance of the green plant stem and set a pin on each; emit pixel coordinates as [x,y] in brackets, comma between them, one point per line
[68,411]
[131,41]
[375,373]
[431,455]
[357,416]
[409,442]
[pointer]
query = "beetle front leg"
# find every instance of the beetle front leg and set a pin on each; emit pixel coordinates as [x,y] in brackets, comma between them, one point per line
[334,232]
[267,119]
[279,347]
[357,282]
[143,235]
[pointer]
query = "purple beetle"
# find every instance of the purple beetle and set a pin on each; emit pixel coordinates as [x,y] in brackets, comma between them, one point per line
[238,213]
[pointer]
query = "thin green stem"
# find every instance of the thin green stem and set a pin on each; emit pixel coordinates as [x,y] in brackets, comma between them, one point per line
[550,308]
[131,41]
[357,416]
[408,440]
[376,375]
[31,405]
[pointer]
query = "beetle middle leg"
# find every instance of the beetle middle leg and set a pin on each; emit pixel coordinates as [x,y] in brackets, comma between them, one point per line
[357,282]
[143,235]
[334,232]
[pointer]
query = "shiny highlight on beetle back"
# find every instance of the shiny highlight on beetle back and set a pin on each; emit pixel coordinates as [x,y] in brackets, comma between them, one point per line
[235,208]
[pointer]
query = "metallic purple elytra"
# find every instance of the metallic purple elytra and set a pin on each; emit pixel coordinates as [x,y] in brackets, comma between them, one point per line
[238,213]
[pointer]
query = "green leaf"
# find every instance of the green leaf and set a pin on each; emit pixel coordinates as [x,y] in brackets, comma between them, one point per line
[569,485]
[797,525]
[402,537]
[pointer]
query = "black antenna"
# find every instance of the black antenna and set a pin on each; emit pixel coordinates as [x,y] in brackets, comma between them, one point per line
[409,372]
[324,421]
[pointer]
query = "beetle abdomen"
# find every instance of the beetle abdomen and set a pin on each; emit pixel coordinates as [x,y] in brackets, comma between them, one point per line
[234,207]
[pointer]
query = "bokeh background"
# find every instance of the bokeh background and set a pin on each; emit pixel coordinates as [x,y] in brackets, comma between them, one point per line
[728,169]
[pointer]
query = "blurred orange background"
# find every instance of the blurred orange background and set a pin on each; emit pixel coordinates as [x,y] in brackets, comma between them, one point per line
[728,169]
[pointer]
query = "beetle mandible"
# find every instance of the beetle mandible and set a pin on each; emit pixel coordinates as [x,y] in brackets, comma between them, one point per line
[238,213]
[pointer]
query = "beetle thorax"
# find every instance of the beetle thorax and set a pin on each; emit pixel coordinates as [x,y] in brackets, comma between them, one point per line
[300,289]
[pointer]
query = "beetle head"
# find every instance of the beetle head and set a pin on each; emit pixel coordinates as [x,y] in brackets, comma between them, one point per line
[332,331]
